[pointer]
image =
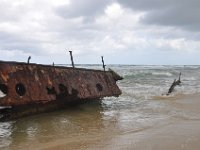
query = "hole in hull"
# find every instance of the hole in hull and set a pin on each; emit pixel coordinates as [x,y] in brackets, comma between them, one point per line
[20,89]
[3,90]
[99,87]
[2,94]
[51,90]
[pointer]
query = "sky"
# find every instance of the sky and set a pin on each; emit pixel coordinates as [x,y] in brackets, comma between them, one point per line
[138,32]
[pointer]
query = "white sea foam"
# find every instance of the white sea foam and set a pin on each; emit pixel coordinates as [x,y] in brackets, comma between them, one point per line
[162,74]
[141,110]
[143,82]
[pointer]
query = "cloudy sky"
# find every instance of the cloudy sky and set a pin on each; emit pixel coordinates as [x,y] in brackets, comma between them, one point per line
[123,31]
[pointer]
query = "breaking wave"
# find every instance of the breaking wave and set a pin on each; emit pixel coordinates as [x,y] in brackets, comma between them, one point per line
[146,82]
[168,74]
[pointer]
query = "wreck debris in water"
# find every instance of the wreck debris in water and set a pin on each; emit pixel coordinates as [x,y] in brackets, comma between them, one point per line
[175,83]
[33,86]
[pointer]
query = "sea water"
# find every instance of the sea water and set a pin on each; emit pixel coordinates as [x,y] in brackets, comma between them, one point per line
[142,114]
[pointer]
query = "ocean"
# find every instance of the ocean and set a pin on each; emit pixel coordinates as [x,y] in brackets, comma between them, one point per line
[143,117]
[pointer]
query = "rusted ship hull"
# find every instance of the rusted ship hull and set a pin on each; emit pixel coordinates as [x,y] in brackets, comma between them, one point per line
[23,84]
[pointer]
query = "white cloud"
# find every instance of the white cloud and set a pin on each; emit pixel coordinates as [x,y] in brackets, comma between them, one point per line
[48,28]
[114,11]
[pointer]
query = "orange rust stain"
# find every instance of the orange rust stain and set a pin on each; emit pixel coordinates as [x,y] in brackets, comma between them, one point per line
[5,77]
[49,82]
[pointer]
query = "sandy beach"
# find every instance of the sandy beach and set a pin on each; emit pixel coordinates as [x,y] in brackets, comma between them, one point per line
[180,132]
[142,118]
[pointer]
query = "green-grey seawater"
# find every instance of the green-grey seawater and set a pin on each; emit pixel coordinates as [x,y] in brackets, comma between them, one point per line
[138,119]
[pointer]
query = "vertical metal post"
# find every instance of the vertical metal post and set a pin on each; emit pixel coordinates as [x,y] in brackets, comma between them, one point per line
[104,66]
[71,58]
[29,58]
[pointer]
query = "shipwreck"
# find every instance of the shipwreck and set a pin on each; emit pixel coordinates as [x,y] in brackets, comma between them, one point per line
[29,88]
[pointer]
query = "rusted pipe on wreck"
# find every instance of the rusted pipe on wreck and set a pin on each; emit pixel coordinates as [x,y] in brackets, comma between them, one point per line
[72,61]
[29,58]
[104,66]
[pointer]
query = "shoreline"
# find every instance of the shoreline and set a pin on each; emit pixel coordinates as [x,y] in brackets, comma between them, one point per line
[176,133]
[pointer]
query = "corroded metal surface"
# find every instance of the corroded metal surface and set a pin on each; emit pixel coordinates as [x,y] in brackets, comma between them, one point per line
[26,84]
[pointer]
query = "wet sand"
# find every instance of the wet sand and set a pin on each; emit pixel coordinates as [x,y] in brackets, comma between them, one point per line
[136,120]
[179,130]
[179,133]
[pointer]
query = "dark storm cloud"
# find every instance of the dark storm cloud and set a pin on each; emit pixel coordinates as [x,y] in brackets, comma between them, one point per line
[144,4]
[179,13]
